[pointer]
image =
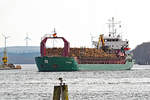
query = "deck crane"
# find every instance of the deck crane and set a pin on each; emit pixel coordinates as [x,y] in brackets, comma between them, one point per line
[101,39]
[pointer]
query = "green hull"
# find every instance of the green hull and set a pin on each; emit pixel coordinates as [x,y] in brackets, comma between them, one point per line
[56,64]
[92,67]
[69,64]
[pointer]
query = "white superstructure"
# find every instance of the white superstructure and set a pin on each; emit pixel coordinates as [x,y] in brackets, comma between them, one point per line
[113,40]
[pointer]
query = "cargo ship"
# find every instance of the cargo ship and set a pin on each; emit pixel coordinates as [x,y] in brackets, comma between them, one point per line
[103,56]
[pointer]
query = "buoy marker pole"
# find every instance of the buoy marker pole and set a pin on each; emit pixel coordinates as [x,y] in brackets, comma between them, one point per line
[60,92]
[61,82]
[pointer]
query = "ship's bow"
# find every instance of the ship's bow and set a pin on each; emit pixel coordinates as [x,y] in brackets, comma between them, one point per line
[56,64]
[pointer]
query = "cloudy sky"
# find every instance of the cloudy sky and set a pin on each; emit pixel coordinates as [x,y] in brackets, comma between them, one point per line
[76,20]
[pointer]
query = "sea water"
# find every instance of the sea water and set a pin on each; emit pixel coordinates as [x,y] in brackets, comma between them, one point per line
[29,84]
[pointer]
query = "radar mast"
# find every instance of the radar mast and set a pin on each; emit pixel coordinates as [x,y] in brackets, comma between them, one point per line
[112,27]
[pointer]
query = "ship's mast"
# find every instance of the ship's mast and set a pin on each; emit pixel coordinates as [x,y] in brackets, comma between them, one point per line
[54,34]
[112,27]
[54,31]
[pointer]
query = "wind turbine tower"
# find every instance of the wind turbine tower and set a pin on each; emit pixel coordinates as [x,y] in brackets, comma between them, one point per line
[27,39]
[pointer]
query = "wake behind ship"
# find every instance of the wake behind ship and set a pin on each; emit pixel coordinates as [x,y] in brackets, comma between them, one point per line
[110,53]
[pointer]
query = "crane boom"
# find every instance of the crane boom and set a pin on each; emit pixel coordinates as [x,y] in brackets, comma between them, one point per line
[101,39]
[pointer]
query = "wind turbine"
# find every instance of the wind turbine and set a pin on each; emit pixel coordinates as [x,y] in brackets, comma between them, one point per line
[6,37]
[5,50]
[27,39]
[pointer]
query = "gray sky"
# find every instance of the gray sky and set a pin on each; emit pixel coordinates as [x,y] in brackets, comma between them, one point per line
[73,19]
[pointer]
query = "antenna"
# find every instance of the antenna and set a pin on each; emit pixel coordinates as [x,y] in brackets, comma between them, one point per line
[91,40]
[54,30]
[27,39]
